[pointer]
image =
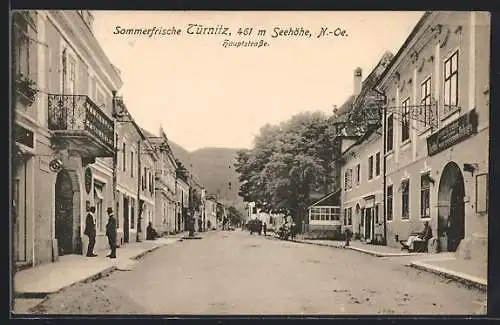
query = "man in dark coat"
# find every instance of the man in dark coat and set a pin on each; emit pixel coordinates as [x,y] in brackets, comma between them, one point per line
[90,231]
[111,233]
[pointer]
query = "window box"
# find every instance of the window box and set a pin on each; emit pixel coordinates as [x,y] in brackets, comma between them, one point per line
[26,89]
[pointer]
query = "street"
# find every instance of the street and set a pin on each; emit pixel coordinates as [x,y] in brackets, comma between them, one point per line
[233,272]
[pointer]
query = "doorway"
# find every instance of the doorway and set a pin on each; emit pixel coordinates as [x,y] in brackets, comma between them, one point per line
[368,223]
[451,210]
[126,228]
[19,210]
[64,213]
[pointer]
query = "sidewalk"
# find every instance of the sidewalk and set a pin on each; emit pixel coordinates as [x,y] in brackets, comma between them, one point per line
[443,264]
[45,279]
[464,271]
[375,250]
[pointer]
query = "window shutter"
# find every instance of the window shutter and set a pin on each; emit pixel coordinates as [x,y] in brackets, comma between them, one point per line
[64,70]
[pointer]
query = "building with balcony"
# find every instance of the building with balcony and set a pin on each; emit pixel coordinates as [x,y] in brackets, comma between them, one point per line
[65,131]
[436,130]
[165,219]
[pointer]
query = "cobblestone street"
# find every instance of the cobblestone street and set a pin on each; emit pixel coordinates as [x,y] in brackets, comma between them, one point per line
[233,273]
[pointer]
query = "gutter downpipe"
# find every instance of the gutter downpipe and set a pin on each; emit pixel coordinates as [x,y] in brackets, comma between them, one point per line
[384,240]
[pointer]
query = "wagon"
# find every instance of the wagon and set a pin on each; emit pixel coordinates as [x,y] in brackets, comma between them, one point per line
[255,225]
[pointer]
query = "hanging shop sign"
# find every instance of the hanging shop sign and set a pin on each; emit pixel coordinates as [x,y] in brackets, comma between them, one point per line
[88,179]
[453,133]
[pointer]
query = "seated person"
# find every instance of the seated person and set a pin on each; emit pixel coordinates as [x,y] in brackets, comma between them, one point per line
[151,233]
[425,235]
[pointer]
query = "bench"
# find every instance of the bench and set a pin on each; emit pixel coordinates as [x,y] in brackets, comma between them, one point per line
[419,246]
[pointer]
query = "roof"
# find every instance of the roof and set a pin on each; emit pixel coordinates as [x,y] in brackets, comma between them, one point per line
[326,197]
[405,45]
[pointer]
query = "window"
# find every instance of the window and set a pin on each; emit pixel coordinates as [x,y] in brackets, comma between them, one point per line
[424,110]
[424,196]
[348,179]
[390,132]
[370,167]
[405,120]
[450,84]
[22,47]
[349,217]
[131,164]
[389,203]
[345,217]
[144,179]
[124,158]
[405,199]
[358,173]
[376,214]
[482,193]
[377,164]
[132,213]
[98,197]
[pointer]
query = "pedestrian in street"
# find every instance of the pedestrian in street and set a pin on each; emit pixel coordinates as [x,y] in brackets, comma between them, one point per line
[264,227]
[347,237]
[111,233]
[90,231]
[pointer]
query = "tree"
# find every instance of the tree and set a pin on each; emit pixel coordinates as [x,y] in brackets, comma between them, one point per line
[235,216]
[288,162]
[181,171]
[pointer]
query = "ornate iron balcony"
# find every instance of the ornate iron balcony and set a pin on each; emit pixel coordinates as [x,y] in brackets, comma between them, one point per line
[78,122]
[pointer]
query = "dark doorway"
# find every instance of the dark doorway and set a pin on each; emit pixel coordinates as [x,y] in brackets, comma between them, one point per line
[64,213]
[451,209]
[126,233]
[456,223]
[368,223]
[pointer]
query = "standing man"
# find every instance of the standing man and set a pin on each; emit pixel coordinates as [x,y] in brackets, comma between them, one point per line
[90,231]
[111,233]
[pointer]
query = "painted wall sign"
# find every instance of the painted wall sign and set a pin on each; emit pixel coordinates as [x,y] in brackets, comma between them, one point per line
[453,133]
[88,180]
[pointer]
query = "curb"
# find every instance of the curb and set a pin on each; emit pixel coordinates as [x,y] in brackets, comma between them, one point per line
[89,279]
[362,250]
[149,250]
[466,279]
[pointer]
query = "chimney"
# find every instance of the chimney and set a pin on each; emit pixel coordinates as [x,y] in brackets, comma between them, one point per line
[358,81]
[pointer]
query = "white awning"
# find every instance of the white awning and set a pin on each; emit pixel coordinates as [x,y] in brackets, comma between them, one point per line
[98,193]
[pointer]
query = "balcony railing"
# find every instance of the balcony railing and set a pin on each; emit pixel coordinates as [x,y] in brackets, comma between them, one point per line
[78,114]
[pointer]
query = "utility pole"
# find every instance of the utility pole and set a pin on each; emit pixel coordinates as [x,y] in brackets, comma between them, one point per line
[115,158]
[141,209]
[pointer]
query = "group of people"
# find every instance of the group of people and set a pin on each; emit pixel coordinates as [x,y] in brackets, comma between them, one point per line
[111,233]
[90,231]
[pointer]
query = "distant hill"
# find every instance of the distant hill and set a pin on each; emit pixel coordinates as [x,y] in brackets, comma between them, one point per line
[215,169]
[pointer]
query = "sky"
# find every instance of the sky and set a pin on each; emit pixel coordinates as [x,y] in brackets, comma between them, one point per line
[206,95]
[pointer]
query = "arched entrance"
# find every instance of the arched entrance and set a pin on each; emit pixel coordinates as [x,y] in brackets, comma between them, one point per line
[64,213]
[451,208]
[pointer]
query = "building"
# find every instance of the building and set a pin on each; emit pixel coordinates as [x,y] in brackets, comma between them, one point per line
[182,195]
[436,129]
[64,131]
[134,169]
[31,150]
[353,123]
[211,212]
[362,195]
[164,220]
